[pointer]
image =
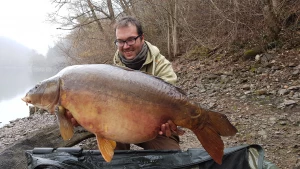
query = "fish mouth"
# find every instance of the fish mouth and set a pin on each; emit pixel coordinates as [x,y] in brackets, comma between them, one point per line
[26,99]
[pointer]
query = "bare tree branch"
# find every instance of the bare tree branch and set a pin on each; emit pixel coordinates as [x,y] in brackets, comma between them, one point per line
[220,12]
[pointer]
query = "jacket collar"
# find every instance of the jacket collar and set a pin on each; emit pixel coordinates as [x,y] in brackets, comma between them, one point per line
[151,52]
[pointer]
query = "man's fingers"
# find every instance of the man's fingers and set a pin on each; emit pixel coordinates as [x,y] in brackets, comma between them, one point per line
[162,129]
[167,130]
[172,125]
[175,129]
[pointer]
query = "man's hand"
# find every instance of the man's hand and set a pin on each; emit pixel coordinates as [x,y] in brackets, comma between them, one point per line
[70,116]
[168,128]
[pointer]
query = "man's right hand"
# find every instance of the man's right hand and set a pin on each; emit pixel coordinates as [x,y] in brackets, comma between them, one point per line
[70,116]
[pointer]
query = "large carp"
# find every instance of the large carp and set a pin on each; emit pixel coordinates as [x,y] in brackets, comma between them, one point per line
[123,105]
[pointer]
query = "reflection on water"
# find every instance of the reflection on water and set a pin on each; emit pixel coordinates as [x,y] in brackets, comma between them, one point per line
[14,84]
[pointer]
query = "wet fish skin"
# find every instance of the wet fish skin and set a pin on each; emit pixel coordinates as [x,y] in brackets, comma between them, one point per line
[127,106]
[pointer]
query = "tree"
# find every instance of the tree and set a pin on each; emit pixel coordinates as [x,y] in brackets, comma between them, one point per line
[89,23]
[176,27]
[271,20]
[172,28]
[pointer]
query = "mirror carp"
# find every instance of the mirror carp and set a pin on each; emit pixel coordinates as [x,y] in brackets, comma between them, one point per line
[123,105]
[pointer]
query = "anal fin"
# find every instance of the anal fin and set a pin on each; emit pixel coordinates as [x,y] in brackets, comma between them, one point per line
[65,125]
[106,147]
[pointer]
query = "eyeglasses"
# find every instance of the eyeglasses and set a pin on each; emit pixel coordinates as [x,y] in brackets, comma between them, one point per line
[130,41]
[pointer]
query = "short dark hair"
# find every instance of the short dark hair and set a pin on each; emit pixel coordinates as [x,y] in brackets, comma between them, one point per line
[126,20]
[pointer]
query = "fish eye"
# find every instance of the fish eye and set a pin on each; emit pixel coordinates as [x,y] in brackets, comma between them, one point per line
[37,86]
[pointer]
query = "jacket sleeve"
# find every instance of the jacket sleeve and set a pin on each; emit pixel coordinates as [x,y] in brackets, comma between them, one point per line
[164,70]
[116,61]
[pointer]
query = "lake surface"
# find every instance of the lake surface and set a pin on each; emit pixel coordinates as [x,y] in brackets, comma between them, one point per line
[14,84]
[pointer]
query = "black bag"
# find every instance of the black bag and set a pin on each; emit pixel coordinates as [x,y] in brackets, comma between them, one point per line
[240,157]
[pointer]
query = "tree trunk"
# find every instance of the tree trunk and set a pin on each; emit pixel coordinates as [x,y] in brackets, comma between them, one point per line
[174,33]
[126,7]
[111,11]
[169,36]
[172,29]
[91,6]
[271,19]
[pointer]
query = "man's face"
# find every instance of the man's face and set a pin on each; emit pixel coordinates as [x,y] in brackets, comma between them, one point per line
[125,33]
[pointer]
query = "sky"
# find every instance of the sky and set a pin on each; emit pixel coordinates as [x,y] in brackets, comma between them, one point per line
[25,22]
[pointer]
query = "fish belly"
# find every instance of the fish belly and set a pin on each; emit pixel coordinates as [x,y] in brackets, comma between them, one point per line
[116,118]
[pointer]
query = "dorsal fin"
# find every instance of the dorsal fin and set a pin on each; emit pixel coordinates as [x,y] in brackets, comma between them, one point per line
[180,90]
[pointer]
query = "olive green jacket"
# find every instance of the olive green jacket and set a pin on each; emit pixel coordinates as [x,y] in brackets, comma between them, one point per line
[156,64]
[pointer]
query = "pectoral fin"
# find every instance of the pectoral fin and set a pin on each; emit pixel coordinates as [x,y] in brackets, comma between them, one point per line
[65,125]
[106,147]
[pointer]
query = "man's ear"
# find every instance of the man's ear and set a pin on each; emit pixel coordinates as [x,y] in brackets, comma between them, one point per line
[142,37]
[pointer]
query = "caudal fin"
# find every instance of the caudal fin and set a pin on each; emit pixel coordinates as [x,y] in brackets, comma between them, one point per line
[221,124]
[210,131]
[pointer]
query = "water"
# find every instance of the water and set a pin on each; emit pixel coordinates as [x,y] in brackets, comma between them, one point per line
[14,83]
[12,109]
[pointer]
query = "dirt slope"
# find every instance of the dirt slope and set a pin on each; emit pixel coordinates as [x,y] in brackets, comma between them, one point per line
[262,99]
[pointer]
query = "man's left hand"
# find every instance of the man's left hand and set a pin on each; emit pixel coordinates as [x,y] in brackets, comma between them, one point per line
[169,127]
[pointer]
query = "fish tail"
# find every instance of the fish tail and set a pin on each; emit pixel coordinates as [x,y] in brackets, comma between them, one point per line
[209,131]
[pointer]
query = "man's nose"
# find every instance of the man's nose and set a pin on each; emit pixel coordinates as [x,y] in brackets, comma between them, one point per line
[126,45]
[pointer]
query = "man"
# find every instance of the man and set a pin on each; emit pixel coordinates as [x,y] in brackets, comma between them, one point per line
[136,53]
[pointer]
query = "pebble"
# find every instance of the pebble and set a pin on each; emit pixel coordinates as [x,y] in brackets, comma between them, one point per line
[246,87]
[294,88]
[261,92]
[283,123]
[296,72]
[247,92]
[282,92]
[289,102]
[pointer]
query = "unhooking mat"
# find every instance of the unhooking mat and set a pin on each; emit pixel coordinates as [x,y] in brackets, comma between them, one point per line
[240,157]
